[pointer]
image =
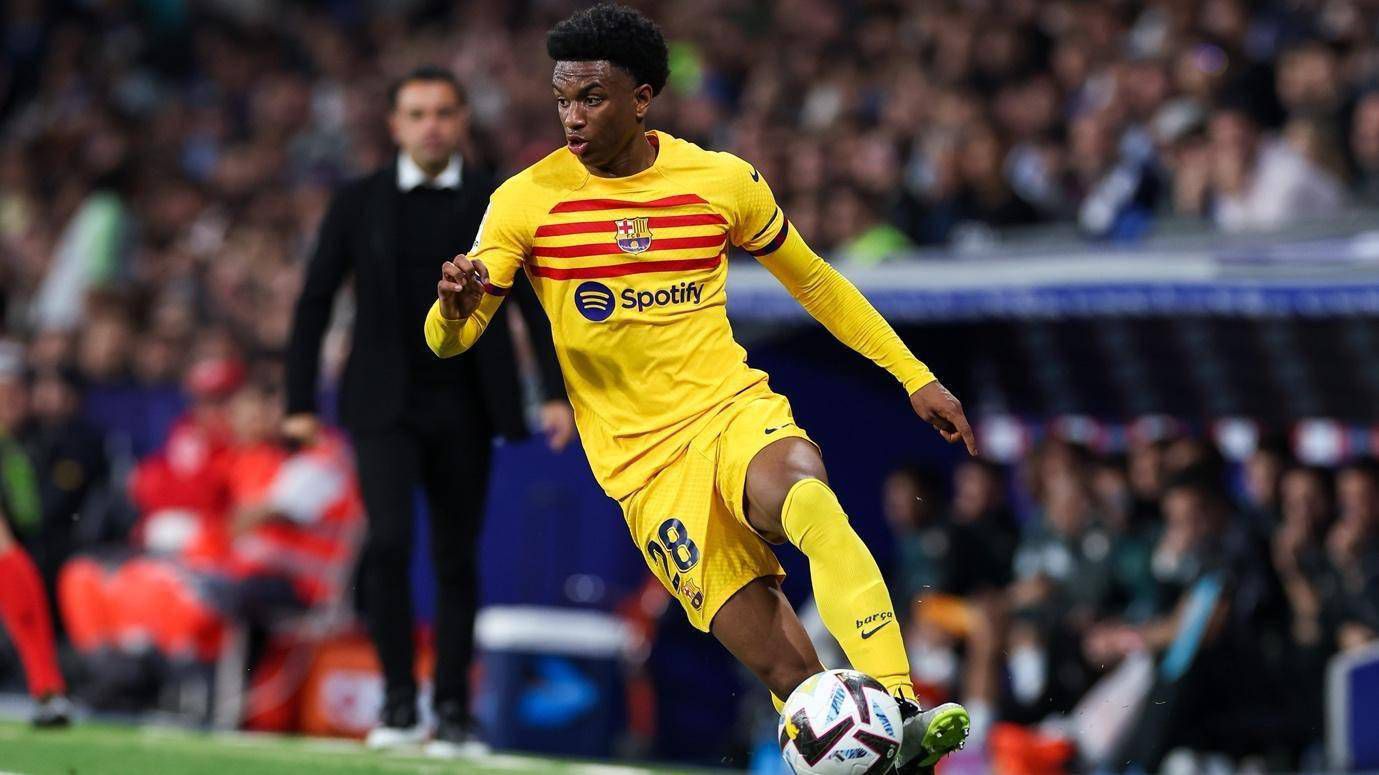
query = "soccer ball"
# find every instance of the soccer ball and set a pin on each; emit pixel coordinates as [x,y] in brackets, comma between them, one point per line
[840,722]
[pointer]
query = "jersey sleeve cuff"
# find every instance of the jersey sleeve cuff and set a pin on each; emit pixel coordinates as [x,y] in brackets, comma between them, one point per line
[443,321]
[918,379]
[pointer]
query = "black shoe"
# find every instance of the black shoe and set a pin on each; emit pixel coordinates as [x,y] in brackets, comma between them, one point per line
[457,733]
[400,713]
[399,727]
[52,712]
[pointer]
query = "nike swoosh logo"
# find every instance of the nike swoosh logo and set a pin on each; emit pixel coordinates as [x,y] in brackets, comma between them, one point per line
[770,431]
[868,633]
[756,176]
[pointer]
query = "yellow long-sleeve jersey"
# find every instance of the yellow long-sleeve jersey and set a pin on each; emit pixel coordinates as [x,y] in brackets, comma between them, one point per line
[631,272]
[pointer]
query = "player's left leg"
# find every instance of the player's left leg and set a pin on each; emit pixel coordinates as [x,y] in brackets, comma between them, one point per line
[788,497]
[759,627]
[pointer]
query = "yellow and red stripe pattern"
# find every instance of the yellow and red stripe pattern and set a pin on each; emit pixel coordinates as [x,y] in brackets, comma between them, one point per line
[580,240]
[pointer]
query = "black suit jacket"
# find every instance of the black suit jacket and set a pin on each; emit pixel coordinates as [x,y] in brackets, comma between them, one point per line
[358,239]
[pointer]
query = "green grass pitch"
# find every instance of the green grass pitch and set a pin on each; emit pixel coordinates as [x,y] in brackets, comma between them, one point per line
[101,749]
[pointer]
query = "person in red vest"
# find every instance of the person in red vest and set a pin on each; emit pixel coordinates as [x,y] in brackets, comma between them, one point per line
[290,526]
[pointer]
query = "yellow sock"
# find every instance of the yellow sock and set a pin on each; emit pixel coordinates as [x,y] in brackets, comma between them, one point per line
[848,588]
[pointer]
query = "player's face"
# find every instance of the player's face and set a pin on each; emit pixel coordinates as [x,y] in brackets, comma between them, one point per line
[427,123]
[600,108]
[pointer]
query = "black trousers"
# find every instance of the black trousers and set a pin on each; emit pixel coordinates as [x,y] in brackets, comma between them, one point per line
[448,455]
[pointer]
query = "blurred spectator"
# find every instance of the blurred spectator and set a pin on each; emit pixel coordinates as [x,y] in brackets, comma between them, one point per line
[1117,184]
[1262,472]
[984,526]
[1132,538]
[181,492]
[961,550]
[1299,553]
[1309,80]
[293,524]
[1364,147]
[1146,472]
[69,463]
[910,501]
[1063,579]
[951,571]
[1208,693]
[979,196]
[1261,183]
[1353,546]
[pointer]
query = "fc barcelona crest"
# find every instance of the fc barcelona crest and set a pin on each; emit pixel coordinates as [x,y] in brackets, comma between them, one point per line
[633,236]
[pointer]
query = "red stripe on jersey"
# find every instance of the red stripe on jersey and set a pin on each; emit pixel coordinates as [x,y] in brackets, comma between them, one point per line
[619,270]
[655,222]
[495,290]
[610,249]
[582,205]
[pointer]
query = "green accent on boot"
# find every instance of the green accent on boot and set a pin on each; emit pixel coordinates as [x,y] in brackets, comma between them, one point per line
[946,733]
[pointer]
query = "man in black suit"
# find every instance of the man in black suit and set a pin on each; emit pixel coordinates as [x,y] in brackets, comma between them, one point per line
[413,417]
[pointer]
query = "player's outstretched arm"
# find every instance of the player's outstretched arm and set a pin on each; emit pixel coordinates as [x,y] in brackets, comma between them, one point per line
[846,313]
[465,302]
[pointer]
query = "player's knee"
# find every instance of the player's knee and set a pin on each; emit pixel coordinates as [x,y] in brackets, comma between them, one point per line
[810,508]
[773,476]
[801,461]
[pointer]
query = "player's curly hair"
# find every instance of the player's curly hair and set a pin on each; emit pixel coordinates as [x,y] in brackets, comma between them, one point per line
[618,34]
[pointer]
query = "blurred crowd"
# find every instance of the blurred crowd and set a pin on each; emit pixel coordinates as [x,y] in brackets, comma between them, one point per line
[182,153]
[1143,606]
[178,156]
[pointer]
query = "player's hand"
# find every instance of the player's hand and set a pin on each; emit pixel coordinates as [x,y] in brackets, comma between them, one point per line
[938,407]
[301,428]
[461,287]
[558,423]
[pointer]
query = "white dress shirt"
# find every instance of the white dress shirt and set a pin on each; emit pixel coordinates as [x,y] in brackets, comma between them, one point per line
[410,176]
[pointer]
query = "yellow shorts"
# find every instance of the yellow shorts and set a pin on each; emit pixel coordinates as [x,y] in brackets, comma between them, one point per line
[690,520]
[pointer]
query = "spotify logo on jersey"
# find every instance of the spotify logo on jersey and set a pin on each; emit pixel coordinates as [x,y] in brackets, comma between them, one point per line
[594,301]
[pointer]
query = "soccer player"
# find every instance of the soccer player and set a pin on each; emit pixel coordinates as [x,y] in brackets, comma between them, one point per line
[624,233]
